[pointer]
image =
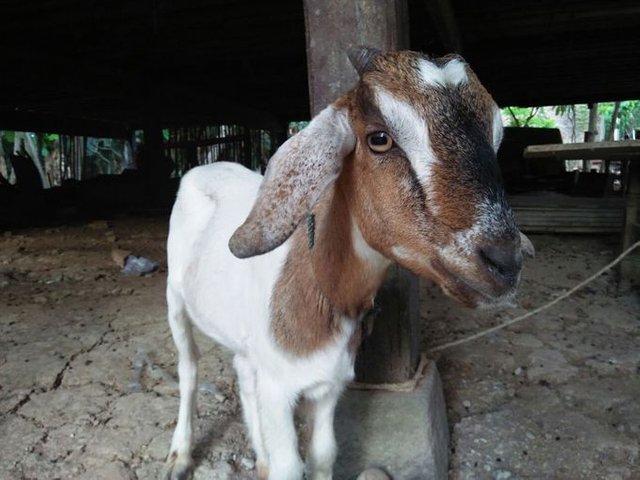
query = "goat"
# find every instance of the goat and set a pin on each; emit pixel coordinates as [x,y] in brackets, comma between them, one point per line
[400,169]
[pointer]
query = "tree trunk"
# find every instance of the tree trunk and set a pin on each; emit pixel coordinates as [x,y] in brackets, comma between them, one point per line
[614,121]
[594,119]
[592,134]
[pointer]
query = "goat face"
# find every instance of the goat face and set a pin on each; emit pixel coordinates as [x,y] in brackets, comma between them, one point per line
[417,137]
[428,180]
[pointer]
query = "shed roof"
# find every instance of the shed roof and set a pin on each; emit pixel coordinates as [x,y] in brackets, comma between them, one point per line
[88,66]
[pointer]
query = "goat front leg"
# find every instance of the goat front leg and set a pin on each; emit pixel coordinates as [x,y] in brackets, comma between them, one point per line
[322,448]
[179,464]
[275,408]
[248,397]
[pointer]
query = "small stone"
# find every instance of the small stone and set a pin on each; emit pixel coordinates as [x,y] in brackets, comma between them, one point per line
[466,404]
[517,371]
[54,279]
[247,463]
[219,397]
[373,474]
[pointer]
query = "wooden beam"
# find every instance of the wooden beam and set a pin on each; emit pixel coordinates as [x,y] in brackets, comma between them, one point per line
[623,149]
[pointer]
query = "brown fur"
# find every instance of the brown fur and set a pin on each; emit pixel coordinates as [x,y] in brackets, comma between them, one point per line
[382,196]
[396,73]
[312,297]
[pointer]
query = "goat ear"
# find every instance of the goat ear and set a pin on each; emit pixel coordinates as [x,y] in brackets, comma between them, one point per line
[302,168]
[362,58]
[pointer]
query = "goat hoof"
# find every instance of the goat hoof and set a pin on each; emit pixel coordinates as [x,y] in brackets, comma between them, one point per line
[178,467]
[373,474]
[262,470]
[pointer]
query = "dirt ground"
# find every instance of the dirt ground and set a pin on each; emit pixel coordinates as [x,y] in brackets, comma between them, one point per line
[553,397]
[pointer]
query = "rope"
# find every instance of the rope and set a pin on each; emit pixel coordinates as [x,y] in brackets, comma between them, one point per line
[410,385]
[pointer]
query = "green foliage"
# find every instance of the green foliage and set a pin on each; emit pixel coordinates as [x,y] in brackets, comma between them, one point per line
[628,116]
[49,143]
[7,136]
[528,117]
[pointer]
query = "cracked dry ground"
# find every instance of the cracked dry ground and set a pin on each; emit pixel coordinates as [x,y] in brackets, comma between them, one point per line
[554,397]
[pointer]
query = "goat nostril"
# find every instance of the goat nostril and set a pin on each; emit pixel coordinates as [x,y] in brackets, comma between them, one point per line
[503,263]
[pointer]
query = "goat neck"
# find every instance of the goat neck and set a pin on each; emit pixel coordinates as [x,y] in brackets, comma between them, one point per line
[334,281]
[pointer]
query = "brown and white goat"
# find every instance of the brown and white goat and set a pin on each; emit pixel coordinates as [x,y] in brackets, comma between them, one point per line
[400,169]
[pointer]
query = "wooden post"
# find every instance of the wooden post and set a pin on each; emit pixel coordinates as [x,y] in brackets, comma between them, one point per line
[333,26]
[390,352]
[630,266]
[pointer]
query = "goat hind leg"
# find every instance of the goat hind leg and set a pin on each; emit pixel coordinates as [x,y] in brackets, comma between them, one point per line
[179,464]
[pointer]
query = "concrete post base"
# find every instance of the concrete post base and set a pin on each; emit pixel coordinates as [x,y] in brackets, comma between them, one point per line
[406,434]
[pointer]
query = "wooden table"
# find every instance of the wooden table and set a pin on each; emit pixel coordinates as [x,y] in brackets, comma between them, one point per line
[621,150]
[625,150]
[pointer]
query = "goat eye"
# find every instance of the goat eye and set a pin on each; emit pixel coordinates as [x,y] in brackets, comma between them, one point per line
[379,142]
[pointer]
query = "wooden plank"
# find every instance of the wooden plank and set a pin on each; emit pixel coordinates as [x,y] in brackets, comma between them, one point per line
[627,149]
[564,214]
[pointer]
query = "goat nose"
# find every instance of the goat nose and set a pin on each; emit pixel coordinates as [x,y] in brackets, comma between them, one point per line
[503,260]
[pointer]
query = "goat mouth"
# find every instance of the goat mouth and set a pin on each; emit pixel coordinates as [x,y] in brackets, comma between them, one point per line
[466,292]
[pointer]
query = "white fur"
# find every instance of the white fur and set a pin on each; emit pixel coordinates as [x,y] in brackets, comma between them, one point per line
[453,73]
[409,130]
[228,299]
[365,252]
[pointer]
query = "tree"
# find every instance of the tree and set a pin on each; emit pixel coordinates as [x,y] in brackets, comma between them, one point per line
[614,120]
[627,118]
[594,119]
[528,117]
